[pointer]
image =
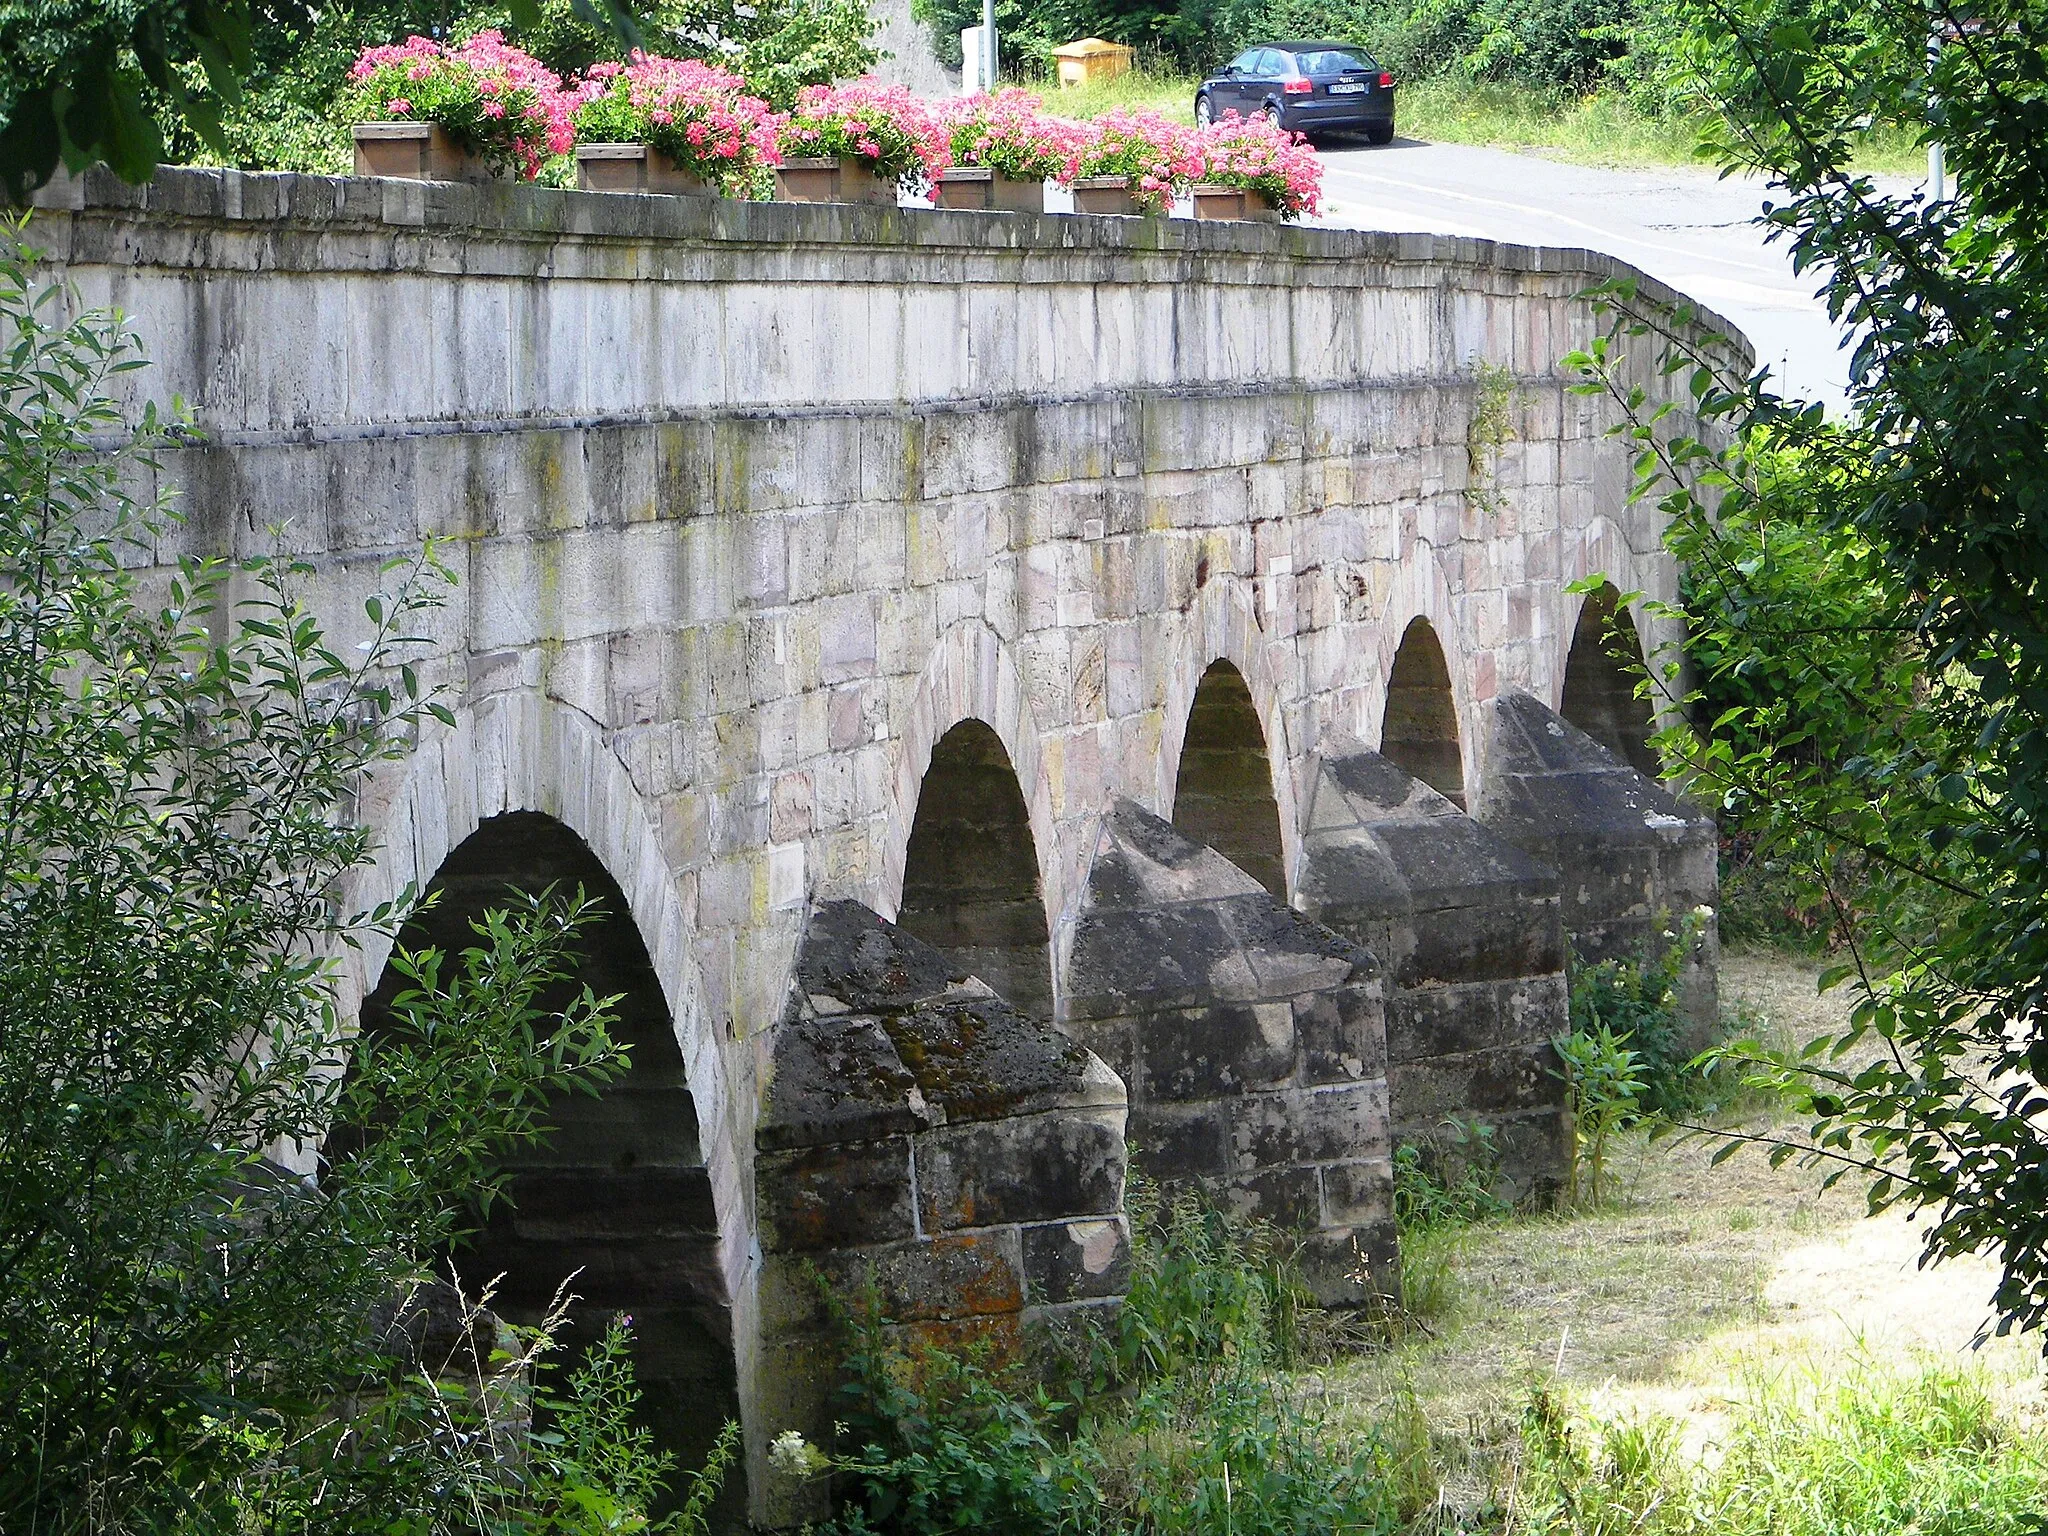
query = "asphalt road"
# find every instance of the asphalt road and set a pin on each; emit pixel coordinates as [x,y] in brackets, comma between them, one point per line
[1685,226]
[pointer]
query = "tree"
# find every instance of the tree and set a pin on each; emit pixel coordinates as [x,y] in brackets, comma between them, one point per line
[777,46]
[1906,733]
[191,1333]
[87,80]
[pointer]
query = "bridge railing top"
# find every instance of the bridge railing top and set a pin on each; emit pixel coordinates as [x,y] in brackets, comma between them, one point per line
[517,214]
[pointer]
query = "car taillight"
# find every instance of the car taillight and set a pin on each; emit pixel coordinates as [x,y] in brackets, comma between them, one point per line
[1385,79]
[1298,87]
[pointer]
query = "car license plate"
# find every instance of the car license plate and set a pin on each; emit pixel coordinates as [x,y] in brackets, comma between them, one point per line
[1347,87]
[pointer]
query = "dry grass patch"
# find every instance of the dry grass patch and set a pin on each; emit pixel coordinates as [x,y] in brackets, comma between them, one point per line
[1675,1300]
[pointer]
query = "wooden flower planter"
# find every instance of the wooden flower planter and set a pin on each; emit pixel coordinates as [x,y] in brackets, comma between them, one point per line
[1219,202]
[417,152]
[635,168]
[1104,194]
[828,180]
[979,186]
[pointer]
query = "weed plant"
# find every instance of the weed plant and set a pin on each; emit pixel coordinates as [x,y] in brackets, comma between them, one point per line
[1178,1416]
[1442,1187]
[1603,1092]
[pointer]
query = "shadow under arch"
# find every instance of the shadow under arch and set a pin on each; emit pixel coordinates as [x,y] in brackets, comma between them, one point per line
[970,869]
[1223,795]
[1600,676]
[1419,731]
[618,1194]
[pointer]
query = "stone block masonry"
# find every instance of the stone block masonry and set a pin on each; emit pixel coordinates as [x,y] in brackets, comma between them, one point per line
[923,1138]
[1252,1041]
[1632,858]
[755,507]
[1467,926]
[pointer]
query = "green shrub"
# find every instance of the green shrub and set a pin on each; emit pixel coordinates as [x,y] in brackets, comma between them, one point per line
[185,1337]
[1232,1450]
[1441,1187]
[1449,1179]
[1636,1002]
[1177,1416]
[941,1441]
[1204,1287]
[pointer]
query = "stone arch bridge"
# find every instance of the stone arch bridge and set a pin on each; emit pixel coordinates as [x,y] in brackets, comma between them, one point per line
[1028,689]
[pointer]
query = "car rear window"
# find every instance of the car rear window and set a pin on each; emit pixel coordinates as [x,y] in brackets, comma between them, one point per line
[1320,63]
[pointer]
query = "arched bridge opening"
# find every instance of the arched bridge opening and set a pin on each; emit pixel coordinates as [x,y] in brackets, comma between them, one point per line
[1600,677]
[1420,730]
[970,871]
[614,1204]
[1223,795]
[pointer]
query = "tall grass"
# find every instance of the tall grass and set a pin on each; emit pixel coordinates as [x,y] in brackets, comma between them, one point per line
[1807,1454]
[1167,92]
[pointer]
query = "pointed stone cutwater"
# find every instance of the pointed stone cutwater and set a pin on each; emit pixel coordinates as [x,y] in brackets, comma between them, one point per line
[1252,1042]
[1467,927]
[1632,858]
[920,1131]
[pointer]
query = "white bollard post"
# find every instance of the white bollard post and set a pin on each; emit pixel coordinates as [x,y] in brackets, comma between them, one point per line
[973,60]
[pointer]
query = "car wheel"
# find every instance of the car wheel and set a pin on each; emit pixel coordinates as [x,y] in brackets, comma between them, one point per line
[1272,115]
[1204,113]
[1380,133]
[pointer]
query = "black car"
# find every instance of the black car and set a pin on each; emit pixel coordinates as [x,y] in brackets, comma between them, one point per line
[1310,88]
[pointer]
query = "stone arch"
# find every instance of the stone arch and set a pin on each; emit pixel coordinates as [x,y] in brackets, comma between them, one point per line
[1599,694]
[1600,551]
[1223,791]
[615,1205]
[1222,626]
[970,873]
[971,676]
[1419,730]
[1419,590]
[520,752]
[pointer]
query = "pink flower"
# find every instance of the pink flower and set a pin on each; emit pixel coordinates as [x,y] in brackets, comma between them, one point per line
[482,89]
[1282,167]
[698,113]
[900,136]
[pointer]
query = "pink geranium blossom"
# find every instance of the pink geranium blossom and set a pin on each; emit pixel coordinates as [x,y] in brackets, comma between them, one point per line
[488,96]
[1158,156]
[697,114]
[1013,134]
[898,135]
[1260,155]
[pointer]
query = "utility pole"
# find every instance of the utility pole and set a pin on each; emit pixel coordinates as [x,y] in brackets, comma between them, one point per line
[1937,171]
[988,45]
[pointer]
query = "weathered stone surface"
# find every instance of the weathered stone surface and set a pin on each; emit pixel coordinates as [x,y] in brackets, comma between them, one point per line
[1632,858]
[1253,1040]
[1077,1260]
[1467,924]
[922,1134]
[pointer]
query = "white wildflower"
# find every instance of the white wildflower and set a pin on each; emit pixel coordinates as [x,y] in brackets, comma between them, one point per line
[791,1455]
